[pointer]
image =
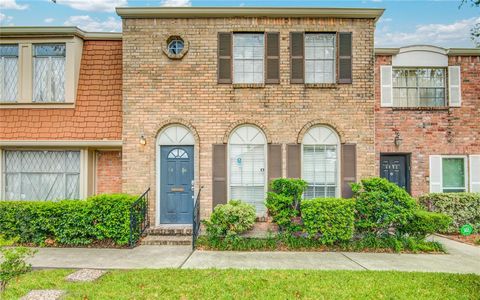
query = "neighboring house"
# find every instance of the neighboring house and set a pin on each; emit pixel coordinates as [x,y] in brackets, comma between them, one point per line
[228,99]
[427,118]
[60,113]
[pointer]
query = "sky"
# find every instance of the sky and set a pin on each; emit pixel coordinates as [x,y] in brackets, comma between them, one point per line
[436,22]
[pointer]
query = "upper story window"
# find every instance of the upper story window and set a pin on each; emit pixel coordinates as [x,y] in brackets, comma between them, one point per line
[49,73]
[248,56]
[419,87]
[8,73]
[319,58]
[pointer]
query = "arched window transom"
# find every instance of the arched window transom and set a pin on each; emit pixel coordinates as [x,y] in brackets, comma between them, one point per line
[177,153]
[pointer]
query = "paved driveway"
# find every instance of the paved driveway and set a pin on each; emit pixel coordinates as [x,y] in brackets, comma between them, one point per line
[461,258]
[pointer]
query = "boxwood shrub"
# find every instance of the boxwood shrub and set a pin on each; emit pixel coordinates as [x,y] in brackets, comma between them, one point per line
[463,208]
[329,220]
[68,222]
[231,219]
[422,223]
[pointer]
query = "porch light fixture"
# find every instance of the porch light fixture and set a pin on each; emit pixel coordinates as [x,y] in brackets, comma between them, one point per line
[143,140]
[398,140]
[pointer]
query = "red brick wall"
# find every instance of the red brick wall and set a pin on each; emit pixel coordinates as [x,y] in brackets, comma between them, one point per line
[109,172]
[98,110]
[448,131]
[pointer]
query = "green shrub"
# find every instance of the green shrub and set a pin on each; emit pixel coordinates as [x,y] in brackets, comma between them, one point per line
[381,206]
[13,262]
[283,202]
[68,222]
[463,208]
[423,223]
[231,219]
[328,219]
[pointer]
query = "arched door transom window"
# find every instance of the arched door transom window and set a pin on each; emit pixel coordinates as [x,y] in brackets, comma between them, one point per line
[320,167]
[247,166]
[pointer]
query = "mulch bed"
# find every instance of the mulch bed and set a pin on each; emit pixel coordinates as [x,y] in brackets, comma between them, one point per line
[94,244]
[473,239]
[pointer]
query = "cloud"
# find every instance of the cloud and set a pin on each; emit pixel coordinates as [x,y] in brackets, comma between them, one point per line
[455,34]
[12,4]
[93,5]
[176,3]
[88,23]
[6,20]
[48,20]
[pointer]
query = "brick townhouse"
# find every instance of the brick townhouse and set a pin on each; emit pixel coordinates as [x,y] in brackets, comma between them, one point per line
[223,100]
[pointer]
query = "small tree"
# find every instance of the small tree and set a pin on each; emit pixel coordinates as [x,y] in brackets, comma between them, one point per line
[13,262]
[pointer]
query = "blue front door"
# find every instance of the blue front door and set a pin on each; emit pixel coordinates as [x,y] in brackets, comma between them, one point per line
[176,191]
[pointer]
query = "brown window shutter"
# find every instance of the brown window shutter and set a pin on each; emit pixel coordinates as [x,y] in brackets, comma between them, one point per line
[274,161]
[294,160]
[297,62]
[349,168]
[272,57]
[345,57]
[225,57]
[219,174]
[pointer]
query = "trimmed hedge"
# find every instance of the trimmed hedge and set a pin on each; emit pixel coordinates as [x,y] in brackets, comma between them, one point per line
[381,207]
[329,220]
[68,222]
[463,208]
[424,222]
[231,219]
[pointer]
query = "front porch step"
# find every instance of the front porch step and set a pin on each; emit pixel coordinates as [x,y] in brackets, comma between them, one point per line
[170,230]
[166,240]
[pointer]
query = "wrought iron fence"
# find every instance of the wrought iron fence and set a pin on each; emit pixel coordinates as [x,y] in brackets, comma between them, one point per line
[139,220]
[196,219]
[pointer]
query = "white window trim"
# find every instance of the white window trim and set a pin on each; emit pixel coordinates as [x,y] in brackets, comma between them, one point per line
[466,168]
[265,153]
[338,146]
[263,57]
[74,48]
[84,167]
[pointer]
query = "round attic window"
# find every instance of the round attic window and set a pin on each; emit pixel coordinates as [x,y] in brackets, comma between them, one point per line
[175,46]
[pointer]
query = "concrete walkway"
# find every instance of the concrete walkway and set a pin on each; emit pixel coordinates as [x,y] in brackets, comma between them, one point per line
[461,258]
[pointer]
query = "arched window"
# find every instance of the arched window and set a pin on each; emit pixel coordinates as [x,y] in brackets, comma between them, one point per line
[321,165]
[247,165]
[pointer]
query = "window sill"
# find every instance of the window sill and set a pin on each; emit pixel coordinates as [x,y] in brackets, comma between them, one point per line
[248,85]
[321,85]
[21,105]
[421,108]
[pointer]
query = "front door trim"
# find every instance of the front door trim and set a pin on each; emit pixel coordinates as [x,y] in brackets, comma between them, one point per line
[407,166]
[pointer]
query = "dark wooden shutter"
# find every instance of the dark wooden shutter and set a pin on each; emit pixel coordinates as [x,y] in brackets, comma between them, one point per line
[274,161]
[345,57]
[294,160]
[349,168]
[224,57]
[297,62]
[272,58]
[219,174]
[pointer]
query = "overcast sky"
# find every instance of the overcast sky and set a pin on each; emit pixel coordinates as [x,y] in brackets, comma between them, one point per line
[438,22]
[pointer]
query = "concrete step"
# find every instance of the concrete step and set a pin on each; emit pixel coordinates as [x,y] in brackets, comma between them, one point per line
[166,240]
[170,230]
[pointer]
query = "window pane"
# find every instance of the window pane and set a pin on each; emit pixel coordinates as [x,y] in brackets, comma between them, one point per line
[248,55]
[50,50]
[42,175]
[8,73]
[453,174]
[319,58]
[320,170]
[419,87]
[49,79]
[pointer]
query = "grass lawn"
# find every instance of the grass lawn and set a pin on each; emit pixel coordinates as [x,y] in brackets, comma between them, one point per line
[254,284]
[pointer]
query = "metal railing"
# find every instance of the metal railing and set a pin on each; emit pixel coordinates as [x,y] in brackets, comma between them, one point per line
[196,219]
[139,219]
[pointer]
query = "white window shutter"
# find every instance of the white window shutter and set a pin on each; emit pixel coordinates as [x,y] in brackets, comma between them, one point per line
[474,173]
[454,86]
[386,90]
[435,174]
